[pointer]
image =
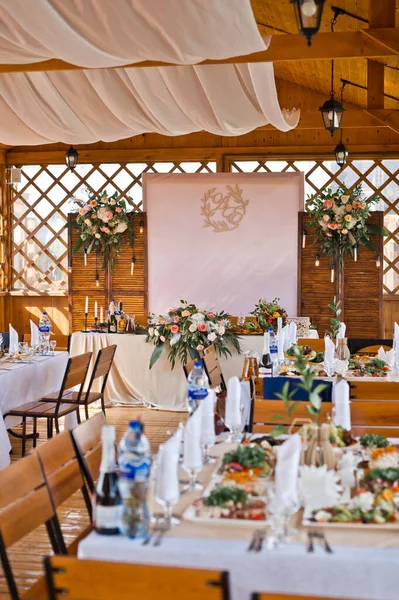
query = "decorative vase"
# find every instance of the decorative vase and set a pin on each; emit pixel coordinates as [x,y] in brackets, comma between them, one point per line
[319,450]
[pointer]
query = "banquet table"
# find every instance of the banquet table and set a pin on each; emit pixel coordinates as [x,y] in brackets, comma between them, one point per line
[363,563]
[132,382]
[21,383]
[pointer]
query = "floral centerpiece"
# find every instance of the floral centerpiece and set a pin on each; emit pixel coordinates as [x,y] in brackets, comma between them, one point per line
[104,222]
[341,222]
[185,331]
[267,313]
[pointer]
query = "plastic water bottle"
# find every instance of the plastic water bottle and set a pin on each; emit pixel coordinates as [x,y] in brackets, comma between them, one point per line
[273,351]
[44,333]
[197,386]
[134,461]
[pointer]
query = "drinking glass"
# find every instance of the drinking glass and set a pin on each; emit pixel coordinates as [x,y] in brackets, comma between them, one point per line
[166,503]
[278,517]
[53,345]
[23,348]
[193,485]
[241,320]
[207,458]
[1,342]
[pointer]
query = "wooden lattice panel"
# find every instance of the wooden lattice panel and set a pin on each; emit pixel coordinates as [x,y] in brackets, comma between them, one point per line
[379,176]
[362,286]
[131,290]
[41,202]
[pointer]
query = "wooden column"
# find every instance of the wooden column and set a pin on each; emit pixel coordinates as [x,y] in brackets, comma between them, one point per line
[381,14]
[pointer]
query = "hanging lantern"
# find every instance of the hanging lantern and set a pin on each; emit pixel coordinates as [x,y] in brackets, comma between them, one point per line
[141,226]
[317,261]
[341,153]
[71,158]
[308,15]
[332,110]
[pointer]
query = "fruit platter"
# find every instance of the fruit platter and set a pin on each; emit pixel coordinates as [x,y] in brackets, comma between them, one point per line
[373,367]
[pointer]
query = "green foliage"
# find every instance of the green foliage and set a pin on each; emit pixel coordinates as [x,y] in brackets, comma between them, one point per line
[267,313]
[223,494]
[252,456]
[335,321]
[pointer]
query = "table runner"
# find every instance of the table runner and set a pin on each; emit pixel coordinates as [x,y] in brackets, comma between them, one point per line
[21,383]
[364,563]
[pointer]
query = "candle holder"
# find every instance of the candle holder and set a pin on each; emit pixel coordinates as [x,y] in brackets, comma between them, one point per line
[85,329]
[96,323]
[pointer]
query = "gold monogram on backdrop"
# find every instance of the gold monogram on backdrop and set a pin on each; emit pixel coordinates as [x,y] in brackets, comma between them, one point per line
[223,212]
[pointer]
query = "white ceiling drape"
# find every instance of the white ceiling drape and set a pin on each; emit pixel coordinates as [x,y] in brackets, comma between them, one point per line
[85,106]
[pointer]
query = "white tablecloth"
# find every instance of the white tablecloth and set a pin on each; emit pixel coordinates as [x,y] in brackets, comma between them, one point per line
[367,573]
[132,382]
[25,383]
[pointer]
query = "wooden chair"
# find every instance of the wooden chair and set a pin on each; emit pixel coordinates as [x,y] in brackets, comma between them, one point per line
[368,346]
[64,477]
[87,441]
[101,368]
[213,369]
[25,504]
[75,375]
[63,341]
[188,367]
[274,596]
[316,344]
[97,580]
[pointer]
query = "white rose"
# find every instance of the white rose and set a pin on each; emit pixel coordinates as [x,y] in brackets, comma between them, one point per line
[120,228]
[88,222]
[212,336]
[175,338]
[221,330]
[344,199]
[326,218]
[192,328]
[98,235]
[198,318]
[112,202]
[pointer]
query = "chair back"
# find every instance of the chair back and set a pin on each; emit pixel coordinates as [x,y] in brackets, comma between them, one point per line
[62,471]
[276,596]
[6,340]
[25,504]
[80,579]
[87,440]
[102,366]
[74,376]
[213,368]
[188,367]
[317,344]
[356,345]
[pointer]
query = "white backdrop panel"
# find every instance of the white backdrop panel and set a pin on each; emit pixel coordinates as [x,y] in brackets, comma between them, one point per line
[248,250]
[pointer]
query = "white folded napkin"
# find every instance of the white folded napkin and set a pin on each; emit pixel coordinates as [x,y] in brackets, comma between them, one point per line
[192,453]
[396,332]
[341,401]
[233,403]
[245,403]
[13,344]
[208,419]
[387,356]
[342,331]
[288,457]
[280,344]
[34,334]
[293,333]
[341,366]
[329,354]
[287,338]
[167,472]
[318,488]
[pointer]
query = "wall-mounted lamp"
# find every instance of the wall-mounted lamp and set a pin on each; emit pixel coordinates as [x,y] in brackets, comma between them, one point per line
[355,253]
[378,261]
[132,266]
[141,227]
[71,158]
[317,261]
[304,238]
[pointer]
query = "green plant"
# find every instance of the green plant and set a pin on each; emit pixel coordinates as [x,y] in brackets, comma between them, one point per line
[307,383]
[335,321]
[267,313]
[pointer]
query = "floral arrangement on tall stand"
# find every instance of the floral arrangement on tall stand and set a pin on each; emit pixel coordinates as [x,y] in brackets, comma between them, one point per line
[184,332]
[104,224]
[268,313]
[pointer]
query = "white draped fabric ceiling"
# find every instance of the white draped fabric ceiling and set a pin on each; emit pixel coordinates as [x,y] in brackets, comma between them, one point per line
[104,103]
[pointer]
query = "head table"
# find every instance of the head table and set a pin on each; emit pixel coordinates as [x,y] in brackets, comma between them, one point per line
[363,563]
[132,382]
[21,383]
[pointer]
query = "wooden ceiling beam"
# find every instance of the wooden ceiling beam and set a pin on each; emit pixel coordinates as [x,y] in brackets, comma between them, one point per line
[366,43]
[387,118]
[381,15]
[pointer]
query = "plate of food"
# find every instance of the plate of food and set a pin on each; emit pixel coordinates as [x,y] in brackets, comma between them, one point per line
[230,504]
[251,458]
[308,353]
[373,368]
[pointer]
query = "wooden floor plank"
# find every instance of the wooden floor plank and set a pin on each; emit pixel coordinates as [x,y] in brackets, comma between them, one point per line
[27,556]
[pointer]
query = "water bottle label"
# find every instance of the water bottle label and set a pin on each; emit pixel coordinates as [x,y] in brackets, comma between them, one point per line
[44,328]
[273,349]
[197,393]
[138,471]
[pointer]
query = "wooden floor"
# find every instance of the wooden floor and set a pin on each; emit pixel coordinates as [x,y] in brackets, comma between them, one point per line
[26,557]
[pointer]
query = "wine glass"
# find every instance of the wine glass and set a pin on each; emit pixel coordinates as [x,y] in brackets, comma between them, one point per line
[241,320]
[1,342]
[53,345]
[279,515]
[166,501]
[23,348]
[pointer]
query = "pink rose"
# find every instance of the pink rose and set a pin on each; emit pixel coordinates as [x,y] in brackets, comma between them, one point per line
[328,203]
[174,328]
[200,347]
[202,327]
[176,319]
[118,210]
[162,338]
[329,234]
[82,211]
[211,315]
[108,215]
[105,230]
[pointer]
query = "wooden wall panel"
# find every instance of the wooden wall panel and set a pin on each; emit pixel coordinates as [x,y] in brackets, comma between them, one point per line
[362,303]
[22,308]
[131,290]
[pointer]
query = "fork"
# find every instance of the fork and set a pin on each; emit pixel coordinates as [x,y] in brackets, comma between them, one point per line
[320,535]
[311,535]
[150,534]
[261,538]
[162,529]
[254,541]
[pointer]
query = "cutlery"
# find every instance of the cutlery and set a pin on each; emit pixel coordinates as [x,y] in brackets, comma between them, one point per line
[322,537]
[150,535]
[261,538]
[163,528]
[253,541]
[310,547]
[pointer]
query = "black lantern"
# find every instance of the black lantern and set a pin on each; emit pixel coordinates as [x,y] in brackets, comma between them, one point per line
[71,158]
[308,15]
[332,110]
[341,153]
